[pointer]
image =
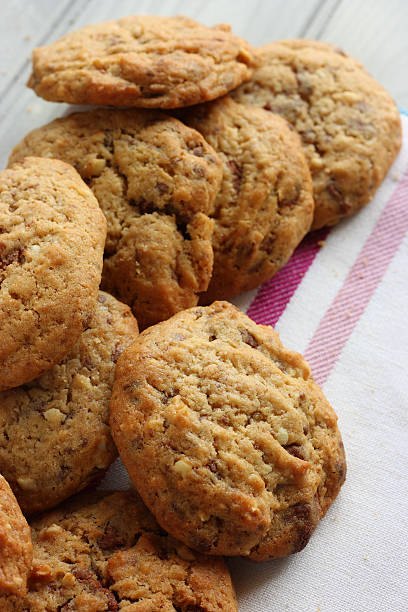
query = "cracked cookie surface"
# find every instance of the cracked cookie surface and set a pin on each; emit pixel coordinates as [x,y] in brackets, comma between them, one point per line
[16,551]
[54,431]
[147,61]
[229,441]
[156,181]
[264,206]
[52,233]
[349,125]
[107,553]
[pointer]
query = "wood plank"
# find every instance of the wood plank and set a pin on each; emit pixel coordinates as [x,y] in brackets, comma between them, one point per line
[259,21]
[24,26]
[375,33]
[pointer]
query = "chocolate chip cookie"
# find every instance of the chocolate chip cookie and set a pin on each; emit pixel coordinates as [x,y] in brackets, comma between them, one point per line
[349,125]
[230,442]
[265,203]
[147,61]
[156,181]
[52,234]
[16,550]
[54,432]
[108,553]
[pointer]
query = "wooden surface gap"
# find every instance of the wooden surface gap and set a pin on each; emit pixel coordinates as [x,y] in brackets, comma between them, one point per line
[311,19]
[334,9]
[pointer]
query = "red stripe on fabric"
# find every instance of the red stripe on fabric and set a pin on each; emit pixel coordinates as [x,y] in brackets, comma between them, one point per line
[273,297]
[350,302]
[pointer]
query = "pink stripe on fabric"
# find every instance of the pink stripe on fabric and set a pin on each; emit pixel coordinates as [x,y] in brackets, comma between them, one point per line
[350,302]
[273,297]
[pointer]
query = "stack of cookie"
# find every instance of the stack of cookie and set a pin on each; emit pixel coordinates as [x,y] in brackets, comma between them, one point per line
[207,211]
[230,443]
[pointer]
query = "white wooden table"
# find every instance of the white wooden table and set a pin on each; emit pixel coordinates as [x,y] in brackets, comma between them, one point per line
[374,31]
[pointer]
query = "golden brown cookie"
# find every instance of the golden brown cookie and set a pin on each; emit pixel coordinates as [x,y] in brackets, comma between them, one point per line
[230,442]
[265,203]
[156,181]
[147,61]
[54,433]
[52,233]
[349,125]
[16,551]
[108,554]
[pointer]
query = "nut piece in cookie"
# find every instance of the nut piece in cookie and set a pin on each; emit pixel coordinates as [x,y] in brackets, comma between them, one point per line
[52,234]
[349,125]
[229,441]
[265,204]
[156,181]
[108,553]
[147,61]
[54,432]
[16,550]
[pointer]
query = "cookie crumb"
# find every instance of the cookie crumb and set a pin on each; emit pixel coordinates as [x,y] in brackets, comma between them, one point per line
[282,436]
[54,416]
[321,243]
[182,467]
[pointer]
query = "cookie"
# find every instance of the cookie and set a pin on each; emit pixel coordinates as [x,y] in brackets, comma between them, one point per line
[265,203]
[229,441]
[52,234]
[54,432]
[108,553]
[349,125]
[16,550]
[156,181]
[147,61]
